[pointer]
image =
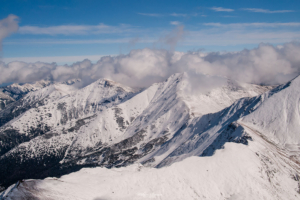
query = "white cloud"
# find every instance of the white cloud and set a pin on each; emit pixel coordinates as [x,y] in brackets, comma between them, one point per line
[218,34]
[74,29]
[8,26]
[178,15]
[228,16]
[67,41]
[210,34]
[265,64]
[151,14]
[220,9]
[172,38]
[175,23]
[260,10]
[172,14]
[237,25]
[238,37]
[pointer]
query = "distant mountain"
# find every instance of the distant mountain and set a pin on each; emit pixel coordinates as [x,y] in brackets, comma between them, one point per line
[18,90]
[5,100]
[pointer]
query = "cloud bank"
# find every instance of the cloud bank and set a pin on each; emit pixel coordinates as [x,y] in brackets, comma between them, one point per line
[265,64]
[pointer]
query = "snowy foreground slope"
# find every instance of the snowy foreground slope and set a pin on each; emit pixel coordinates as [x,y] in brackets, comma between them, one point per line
[110,125]
[235,172]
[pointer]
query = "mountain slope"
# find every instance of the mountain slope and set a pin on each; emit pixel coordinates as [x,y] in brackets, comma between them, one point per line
[60,106]
[235,172]
[264,166]
[209,132]
[278,116]
[107,124]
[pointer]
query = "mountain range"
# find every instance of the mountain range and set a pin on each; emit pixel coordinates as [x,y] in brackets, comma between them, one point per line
[245,136]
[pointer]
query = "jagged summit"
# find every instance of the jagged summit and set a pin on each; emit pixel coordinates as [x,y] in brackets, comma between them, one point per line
[18,90]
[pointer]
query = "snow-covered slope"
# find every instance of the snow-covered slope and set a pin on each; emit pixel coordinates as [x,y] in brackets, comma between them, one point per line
[65,103]
[108,124]
[21,124]
[278,115]
[235,172]
[273,114]
[221,97]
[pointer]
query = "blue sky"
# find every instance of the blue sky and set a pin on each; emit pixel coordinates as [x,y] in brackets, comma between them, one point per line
[67,31]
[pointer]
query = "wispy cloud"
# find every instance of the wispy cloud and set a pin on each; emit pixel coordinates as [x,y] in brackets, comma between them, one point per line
[87,41]
[220,9]
[260,10]
[171,14]
[239,37]
[178,15]
[175,23]
[8,26]
[242,25]
[151,14]
[57,59]
[73,29]
[219,34]
[228,16]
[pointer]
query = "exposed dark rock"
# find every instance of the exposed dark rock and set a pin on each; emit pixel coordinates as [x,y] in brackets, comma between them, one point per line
[151,160]
[17,108]
[129,142]
[10,138]
[79,123]
[233,133]
[119,119]
[146,148]
[17,166]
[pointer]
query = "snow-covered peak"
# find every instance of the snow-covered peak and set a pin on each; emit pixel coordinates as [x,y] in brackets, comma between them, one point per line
[218,97]
[278,114]
[27,87]
[100,91]
[53,92]
[19,90]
